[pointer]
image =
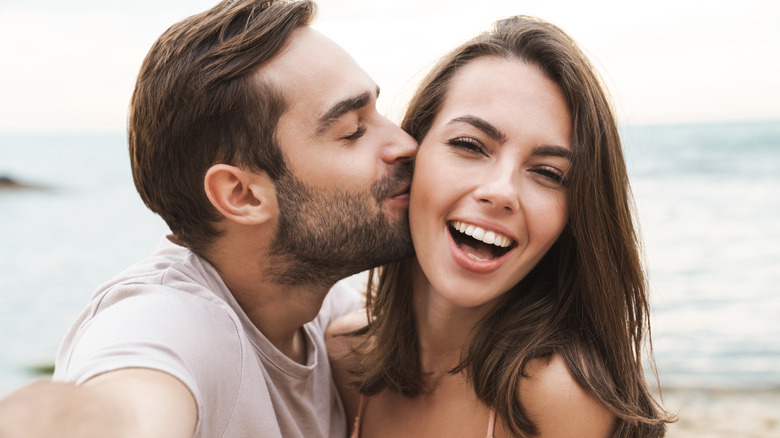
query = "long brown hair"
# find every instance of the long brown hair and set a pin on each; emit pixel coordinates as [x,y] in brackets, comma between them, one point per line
[198,101]
[586,300]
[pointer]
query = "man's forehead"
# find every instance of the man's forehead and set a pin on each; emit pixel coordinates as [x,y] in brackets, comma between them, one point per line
[316,75]
[309,57]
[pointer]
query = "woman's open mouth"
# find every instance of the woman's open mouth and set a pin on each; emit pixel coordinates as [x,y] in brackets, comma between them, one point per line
[479,244]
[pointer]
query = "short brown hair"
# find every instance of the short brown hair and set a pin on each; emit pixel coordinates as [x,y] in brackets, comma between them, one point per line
[586,300]
[198,102]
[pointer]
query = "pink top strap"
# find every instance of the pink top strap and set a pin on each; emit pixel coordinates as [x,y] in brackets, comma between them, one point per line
[491,424]
[361,407]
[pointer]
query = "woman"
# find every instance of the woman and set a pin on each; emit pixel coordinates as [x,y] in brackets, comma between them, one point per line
[525,309]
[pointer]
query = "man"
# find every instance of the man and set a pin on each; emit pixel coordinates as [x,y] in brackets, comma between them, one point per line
[258,141]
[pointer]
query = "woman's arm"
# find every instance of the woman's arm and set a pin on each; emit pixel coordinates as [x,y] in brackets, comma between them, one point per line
[558,405]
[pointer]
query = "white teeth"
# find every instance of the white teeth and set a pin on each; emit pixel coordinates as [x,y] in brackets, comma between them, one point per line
[473,257]
[489,237]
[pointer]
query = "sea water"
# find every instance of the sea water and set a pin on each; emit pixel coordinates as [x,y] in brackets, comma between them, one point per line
[707,196]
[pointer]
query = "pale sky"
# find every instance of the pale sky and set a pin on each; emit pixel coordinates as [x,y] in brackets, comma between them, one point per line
[71,65]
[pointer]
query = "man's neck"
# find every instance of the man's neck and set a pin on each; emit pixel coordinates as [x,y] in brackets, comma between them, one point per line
[279,311]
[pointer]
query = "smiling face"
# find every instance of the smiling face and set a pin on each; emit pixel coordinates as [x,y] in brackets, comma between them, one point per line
[488,197]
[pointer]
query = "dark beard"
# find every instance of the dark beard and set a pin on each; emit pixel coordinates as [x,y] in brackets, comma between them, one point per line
[324,237]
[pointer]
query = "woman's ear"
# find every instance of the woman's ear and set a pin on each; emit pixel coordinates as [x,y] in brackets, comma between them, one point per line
[241,196]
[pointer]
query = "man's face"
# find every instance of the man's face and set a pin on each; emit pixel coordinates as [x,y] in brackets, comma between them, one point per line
[343,202]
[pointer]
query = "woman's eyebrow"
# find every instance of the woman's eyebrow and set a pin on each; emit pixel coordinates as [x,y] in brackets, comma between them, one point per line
[483,125]
[553,151]
[494,133]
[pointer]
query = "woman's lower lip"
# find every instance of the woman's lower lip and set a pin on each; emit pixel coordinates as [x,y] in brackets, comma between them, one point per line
[469,264]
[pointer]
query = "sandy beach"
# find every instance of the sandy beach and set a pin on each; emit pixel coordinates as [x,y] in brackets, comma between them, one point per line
[724,413]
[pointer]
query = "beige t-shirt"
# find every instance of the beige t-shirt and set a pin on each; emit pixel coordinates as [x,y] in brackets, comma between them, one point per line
[172,312]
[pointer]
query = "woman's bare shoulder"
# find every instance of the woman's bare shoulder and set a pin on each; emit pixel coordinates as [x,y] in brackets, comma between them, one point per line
[558,405]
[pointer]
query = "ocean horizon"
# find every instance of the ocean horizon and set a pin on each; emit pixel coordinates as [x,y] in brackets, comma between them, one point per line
[707,197]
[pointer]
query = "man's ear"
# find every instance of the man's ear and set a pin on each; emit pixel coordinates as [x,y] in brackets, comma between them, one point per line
[241,196]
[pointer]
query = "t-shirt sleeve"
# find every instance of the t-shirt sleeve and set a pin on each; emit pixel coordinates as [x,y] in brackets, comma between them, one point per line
[185,336]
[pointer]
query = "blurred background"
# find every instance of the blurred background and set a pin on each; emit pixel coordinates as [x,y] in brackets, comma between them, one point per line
[695,89]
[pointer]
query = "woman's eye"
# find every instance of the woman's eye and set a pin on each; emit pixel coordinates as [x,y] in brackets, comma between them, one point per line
[551,174]
[357,134]
[467,144]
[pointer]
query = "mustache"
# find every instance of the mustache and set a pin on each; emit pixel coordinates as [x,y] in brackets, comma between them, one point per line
[398,180]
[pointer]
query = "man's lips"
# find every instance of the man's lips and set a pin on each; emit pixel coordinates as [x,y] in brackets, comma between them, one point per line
[401,192]
[394,186]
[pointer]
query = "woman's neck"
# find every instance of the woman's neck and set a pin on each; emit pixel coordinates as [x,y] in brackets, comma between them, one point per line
[444,329]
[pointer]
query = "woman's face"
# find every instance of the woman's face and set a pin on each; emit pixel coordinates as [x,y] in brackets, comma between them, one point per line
[488,197]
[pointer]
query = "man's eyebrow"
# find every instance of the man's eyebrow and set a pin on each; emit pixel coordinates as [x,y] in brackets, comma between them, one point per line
[483,125]
[340,108]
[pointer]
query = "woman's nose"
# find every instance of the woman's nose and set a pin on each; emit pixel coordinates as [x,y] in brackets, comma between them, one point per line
[499,189]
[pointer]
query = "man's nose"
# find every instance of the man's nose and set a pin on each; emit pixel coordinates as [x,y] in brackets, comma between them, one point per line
[400,147]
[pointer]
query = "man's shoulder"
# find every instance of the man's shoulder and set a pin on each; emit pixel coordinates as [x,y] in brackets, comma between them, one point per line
[160,314]
[172,272]
[138,311]
[165,302]
[168,258]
